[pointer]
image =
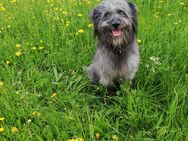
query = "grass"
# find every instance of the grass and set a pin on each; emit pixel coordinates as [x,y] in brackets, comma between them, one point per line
[45,95]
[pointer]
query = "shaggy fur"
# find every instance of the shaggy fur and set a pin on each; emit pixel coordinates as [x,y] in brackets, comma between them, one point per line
[117,54]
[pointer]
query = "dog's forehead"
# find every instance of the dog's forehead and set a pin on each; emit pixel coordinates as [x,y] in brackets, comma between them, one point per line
[113,5]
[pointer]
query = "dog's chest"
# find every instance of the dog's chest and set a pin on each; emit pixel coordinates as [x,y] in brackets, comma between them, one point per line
[117,64]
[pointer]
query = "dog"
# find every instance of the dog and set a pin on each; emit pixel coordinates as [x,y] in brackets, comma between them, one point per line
[117,53]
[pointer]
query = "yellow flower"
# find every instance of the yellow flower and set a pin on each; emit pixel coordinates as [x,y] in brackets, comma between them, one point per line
[2,118]
[33,48]
[2,129]
[64,12]
[60,9]
[114,137]
[13,1]
[80,15]
[7,62]
[2,8]
[66,24]
[36,114]
[50,1]
[56,9]
[156,16]
[97,135]
[80,31]
[14,130]
[88,2]
[18,45]
[90,25]
[1,83]
[76,139]
[41,47]
[18,53]
[160,1]
[53,95]
[139,41]
[169,14]
[79,139]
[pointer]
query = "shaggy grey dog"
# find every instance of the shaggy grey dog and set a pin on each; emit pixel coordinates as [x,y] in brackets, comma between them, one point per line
[117,54]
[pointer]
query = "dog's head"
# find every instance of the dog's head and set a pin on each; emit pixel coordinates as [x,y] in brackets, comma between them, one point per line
[115,22]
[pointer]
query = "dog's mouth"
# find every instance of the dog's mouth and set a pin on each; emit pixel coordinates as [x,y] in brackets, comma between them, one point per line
[117,32]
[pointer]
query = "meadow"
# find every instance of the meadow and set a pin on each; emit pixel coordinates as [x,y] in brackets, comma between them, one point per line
[45,94]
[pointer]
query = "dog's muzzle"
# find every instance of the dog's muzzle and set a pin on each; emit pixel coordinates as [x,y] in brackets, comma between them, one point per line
[116,31]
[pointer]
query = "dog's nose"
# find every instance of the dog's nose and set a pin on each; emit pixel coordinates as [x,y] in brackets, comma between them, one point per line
[115,23]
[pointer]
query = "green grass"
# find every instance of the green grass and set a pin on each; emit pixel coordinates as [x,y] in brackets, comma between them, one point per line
[155,108]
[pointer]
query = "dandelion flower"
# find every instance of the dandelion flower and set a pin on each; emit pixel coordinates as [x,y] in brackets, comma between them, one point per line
[169,14]
[80,31]
[90,25]
[1,83]
[50,1]
[88,2]
[14,130]
[114,137]
[18,53]
[64,12]
[53,95]
[2,129]
[139,41]
[41,47]
[160,1]
[2,118]
[66,24]
[18,45]
[33,48]
[97,135]
[80,15]
[7,62]
[36,114]
[13,1]
[71,140]
[76,139]
[2,9]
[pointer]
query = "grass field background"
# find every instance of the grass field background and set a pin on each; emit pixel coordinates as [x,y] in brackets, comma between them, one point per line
[45,95]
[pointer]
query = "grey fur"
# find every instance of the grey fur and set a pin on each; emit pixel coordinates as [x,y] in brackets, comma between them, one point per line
[116,58]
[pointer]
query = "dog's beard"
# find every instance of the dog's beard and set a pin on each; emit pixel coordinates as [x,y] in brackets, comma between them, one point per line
[118,41]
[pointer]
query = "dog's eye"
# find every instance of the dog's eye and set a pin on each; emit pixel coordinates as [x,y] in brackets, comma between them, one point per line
[121,13]
[106,14]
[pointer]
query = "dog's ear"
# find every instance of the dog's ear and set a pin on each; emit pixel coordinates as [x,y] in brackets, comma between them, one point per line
[133,8]
[95,17]
[96,13]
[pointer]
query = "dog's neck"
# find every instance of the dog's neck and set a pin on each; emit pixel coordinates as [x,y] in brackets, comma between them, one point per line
[120,49]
